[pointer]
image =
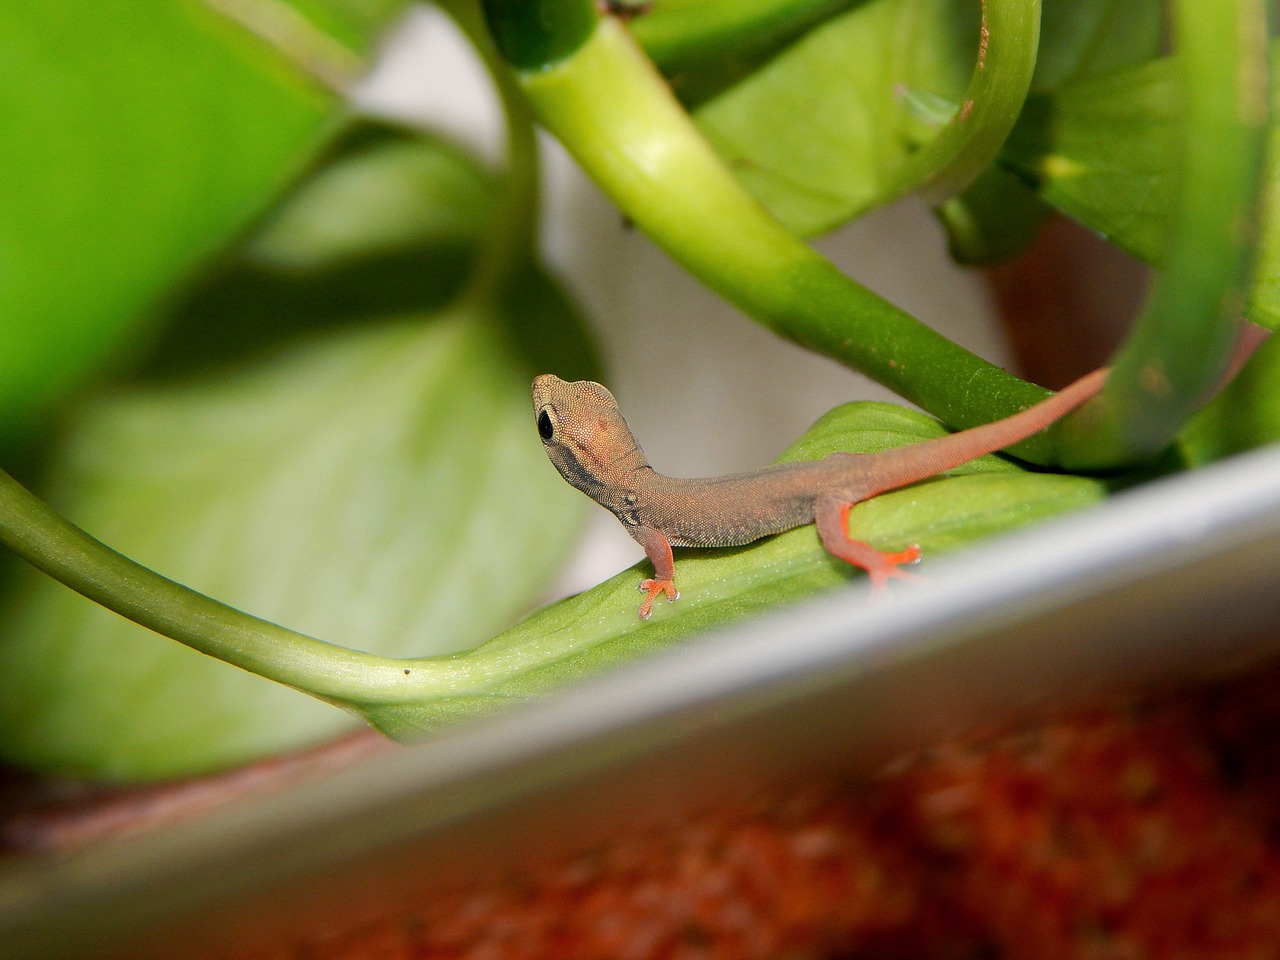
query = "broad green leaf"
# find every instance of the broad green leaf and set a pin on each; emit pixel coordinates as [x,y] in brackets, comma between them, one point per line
[599,628]
[705,46]
[139,136]
[368,475]
[1103,151]
[1090,38]
[821,131]
[386,223]
[1264,298]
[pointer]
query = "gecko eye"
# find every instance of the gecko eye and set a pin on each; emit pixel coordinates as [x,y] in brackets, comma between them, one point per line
[545,428]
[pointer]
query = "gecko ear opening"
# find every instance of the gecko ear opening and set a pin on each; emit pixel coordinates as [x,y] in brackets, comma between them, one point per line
[546,430]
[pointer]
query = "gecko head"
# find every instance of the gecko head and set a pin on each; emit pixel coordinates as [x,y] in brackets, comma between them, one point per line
[583,432]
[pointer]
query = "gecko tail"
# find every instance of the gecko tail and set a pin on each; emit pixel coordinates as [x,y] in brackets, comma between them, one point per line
[925,459]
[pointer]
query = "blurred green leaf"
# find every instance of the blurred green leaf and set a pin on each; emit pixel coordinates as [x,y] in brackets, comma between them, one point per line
[375,482]
[1264,298]
[820,132]
[1103,151]
[1244,416]
[1093,37]
[705,46]
[139,135]
[599,628]
[386,223]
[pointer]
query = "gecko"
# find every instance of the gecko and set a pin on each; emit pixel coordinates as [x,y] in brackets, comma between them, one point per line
[590,444]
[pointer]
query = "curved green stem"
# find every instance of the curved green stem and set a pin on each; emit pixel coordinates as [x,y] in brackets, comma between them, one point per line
[298,40]
[612,110]
[32,530]
[971,140]
[384,691]
[505,250]
[1184,340]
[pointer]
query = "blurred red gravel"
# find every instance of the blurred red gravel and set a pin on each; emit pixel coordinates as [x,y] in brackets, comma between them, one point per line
[1146,830]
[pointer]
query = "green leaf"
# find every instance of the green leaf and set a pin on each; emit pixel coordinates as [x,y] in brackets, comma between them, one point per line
[369,475]
[822,132]
[139,136]
[386,223]
[1244,416]
[705,46]
[1093,37]
[819,132]
[599,628]
[1103,151]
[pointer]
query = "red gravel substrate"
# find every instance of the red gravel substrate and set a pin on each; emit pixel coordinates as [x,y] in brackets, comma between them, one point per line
[1144,831]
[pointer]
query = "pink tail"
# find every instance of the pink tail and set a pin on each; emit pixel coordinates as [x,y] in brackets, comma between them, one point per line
[928,458]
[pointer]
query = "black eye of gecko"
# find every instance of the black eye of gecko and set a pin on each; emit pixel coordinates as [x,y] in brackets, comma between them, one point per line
[545,429]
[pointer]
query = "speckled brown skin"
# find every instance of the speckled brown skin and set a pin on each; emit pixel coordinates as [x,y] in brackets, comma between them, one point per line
[591,445]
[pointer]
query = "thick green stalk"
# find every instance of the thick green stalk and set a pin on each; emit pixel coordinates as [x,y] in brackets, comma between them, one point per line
[1184,340]
[613,111]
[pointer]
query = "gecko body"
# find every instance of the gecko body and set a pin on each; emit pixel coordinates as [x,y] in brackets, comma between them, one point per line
[590,444]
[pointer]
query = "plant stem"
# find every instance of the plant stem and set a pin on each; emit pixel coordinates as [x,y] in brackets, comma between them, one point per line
[1184,340]
[32,530]
[612,110]
[971,140]
[370,686]
[506,249]
[293,36]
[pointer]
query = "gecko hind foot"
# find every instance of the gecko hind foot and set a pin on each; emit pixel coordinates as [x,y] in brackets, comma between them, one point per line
[653,587]
[888,566]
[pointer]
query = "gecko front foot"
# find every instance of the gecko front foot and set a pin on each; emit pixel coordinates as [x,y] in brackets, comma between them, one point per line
[653,587]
